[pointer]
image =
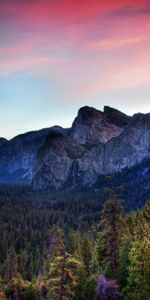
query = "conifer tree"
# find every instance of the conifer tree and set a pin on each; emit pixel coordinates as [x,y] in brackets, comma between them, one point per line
[112,222]
[62,277]
[86,250]
[138,281]
[11,265]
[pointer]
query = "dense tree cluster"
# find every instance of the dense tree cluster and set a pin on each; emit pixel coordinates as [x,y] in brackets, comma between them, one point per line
[73,250]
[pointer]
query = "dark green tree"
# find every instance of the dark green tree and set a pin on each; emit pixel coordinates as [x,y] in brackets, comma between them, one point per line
[111,225]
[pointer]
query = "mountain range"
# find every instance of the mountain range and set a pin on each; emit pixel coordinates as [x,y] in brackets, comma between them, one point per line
[98,143]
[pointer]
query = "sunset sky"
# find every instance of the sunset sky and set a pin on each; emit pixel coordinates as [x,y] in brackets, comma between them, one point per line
[59,55]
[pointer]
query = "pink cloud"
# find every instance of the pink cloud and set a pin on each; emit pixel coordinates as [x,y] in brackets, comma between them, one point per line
[79,43]
[114,43]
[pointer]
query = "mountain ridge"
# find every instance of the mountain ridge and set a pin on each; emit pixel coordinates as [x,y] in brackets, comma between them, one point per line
[98,143]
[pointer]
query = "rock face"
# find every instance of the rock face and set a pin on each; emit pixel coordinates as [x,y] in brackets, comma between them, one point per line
[18,156]
[97,143]
[93,126]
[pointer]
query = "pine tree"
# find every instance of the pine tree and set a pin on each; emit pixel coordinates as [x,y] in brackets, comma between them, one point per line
[124,262]
[94,265]
[62,277]
[90,288]
[112,223]
[81,282]
[74,243]
[11,265]
[138,281]
[86,250]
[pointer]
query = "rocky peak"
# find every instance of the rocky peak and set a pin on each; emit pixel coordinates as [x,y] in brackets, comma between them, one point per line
[116,117]
[140,120]
[94,126]
[88,115]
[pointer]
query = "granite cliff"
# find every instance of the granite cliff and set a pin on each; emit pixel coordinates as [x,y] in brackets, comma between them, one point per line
[97,143]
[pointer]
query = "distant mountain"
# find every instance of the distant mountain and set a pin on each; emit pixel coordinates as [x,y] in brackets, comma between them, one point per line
[98,143]
[18,156]
[2,141]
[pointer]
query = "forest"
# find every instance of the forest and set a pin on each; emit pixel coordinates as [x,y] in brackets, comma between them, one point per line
[73,246]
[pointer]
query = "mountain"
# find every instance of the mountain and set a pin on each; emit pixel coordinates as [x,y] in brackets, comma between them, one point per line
[18,156]
[98,143]
[2,141]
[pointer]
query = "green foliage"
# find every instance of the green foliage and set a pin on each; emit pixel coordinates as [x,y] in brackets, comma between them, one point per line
[10,265]
[16,288]
[138,279]
[94,264]
[58,249]
[86,250]
[112,224]
[90,288]
[31,293]
[81,283]
[138,285]
[124,261]
[62,277]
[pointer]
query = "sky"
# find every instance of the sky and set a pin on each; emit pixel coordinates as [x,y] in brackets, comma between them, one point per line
[59,55]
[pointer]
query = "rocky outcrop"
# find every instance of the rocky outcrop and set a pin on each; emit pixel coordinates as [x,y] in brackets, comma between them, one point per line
[93,126]
[97,143]
[116,117]
[93,146]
